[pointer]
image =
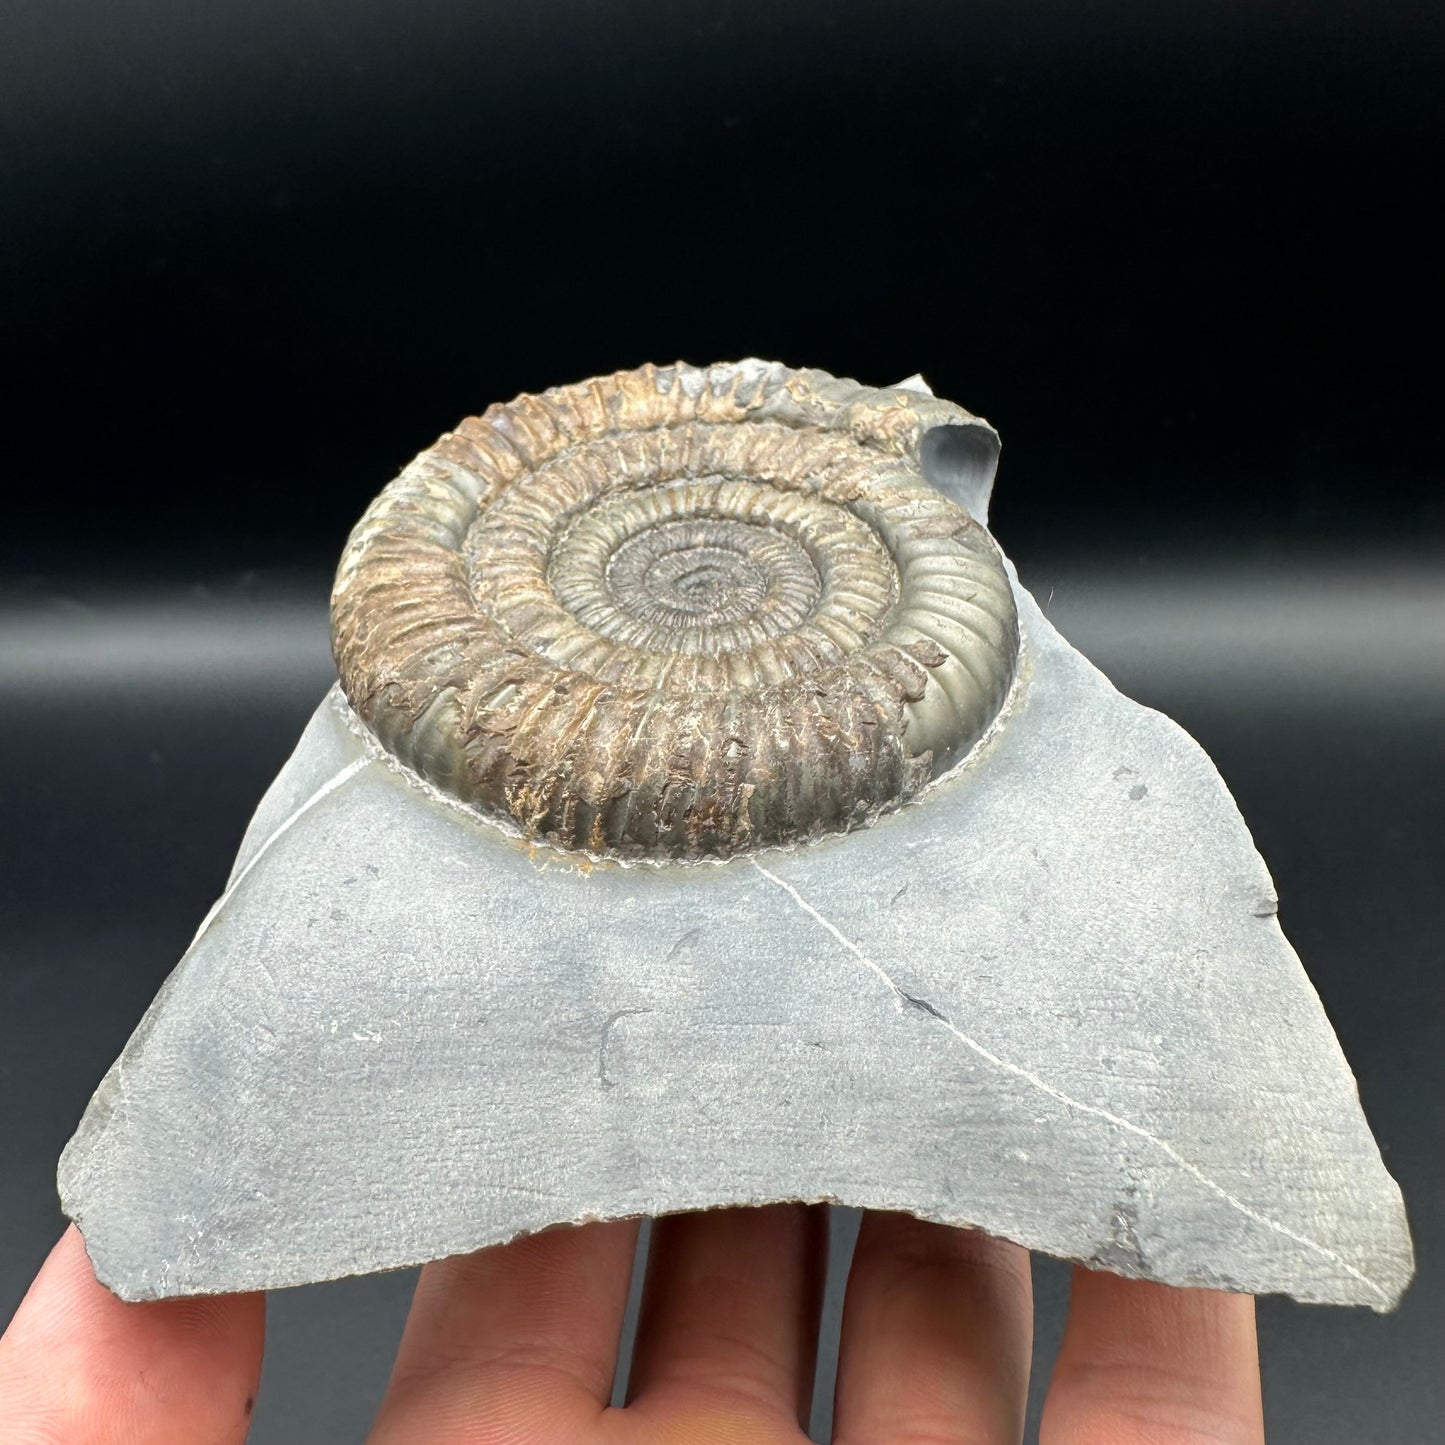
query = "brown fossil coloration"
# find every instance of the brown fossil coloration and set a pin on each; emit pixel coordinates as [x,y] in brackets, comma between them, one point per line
[678,612]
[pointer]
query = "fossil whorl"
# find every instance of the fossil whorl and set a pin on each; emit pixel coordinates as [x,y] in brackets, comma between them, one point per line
[678,611]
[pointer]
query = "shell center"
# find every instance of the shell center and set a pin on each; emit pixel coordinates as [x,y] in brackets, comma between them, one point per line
[635,572]
[711,572]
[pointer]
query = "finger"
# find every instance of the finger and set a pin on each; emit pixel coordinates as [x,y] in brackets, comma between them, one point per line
[79,1367]
[516,1343]
[729,1321]
[1143,1362]
[937,1334]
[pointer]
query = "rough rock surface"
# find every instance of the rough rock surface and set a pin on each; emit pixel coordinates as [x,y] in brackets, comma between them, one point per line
[1050,999]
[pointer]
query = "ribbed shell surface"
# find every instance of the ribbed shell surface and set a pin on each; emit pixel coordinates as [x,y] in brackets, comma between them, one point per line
[678,612]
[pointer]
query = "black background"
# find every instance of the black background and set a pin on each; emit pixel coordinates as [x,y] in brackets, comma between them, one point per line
[1185,258]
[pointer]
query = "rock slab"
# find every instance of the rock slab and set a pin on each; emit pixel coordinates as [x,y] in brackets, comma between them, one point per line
[1050,999]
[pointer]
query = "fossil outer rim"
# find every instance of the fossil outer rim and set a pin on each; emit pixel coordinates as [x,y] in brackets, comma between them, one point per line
[678,612]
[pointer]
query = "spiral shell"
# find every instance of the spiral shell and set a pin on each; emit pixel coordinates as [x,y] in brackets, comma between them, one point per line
[678,612]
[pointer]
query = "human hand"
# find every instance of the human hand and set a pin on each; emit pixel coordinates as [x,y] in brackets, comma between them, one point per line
[516,1346]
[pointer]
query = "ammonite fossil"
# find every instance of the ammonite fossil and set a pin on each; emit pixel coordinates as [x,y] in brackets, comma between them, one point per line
[685,614]
[679,611]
